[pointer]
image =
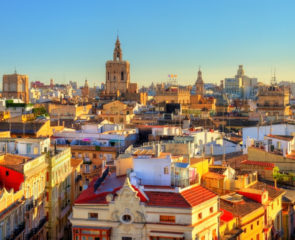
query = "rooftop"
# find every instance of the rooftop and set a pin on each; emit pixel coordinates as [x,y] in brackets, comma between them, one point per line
[281,137]
[99,188]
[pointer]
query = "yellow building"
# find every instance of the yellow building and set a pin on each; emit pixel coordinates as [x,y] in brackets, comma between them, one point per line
[76,178]
[4,115]
[58,192]
[117,112]
[274,101]
[93,158]
[173,95]
[249,215]
[34,175]
[199,102]
[12,208]
[68,111]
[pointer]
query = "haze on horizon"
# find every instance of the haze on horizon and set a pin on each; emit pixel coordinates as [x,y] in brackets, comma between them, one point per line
[72,40]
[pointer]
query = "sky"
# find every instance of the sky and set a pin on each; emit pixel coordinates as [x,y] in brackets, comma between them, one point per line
[72,39]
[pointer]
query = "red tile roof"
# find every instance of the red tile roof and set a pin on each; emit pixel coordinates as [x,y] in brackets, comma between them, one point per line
[152,196]
[197,194]
[111,185]
[166,199]
[258,163]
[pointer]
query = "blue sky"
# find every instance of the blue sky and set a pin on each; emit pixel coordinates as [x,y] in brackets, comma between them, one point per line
[71,40]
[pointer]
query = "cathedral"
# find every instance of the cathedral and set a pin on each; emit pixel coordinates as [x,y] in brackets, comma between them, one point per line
[117,73]
[118,84]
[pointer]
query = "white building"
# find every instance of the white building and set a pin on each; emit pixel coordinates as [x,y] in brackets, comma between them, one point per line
[241,85]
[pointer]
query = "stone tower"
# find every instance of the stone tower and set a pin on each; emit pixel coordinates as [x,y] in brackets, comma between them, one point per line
[16,86]
[200,84]
[85,90]
[117,73]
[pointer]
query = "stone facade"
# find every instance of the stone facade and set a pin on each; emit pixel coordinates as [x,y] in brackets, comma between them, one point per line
[117,73]
[274,101]
[16,86]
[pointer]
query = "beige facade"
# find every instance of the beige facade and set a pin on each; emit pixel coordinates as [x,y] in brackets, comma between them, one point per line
[127,217]
[117,112]
[12,223]
[173,95]
[66,111]
[58,192]
[16,86]
[274,101]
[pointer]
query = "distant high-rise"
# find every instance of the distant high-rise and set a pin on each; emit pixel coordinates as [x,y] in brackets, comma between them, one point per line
[16,86]
[117,72]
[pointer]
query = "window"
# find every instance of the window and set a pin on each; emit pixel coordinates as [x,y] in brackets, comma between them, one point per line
[7,173]
[94,155]
[126,238]
[251,226]
[122,75]
[245,230]
[169,219]
[257,236]
[211,209]
[214,235]
[166,170]
[200,215]
[126,218]
[257,222]
[92,215]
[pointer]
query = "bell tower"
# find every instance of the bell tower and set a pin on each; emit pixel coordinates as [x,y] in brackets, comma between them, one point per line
[200,84]
[117,51]
[117,72]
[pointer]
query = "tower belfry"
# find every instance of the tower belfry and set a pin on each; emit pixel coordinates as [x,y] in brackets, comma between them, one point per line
[117,72]
[117,51]
[200,84]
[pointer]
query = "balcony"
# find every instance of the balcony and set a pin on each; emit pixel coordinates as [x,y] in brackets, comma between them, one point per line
[78,178]
[37,229]
[65,210]
[87,160]
[17,231]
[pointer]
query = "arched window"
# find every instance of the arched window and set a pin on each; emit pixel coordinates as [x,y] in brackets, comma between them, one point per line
[122,75]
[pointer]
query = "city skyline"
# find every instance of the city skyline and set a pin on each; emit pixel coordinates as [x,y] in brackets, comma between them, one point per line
[72,40]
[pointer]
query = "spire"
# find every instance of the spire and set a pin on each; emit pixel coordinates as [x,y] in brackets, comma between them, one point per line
[86,83]
[200,78]
[200,84]
[117,50]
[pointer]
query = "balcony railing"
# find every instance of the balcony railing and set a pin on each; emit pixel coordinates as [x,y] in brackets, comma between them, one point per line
[78,178]
[17,231]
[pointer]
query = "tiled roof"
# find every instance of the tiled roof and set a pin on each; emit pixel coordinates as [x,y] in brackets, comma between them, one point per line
[240,209]
[152,196]
[272,191]
[258,163]
[196,195]
[166,199]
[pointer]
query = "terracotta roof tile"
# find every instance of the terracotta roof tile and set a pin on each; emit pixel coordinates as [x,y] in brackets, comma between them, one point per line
[258,163]
[166,199]
[197,194]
